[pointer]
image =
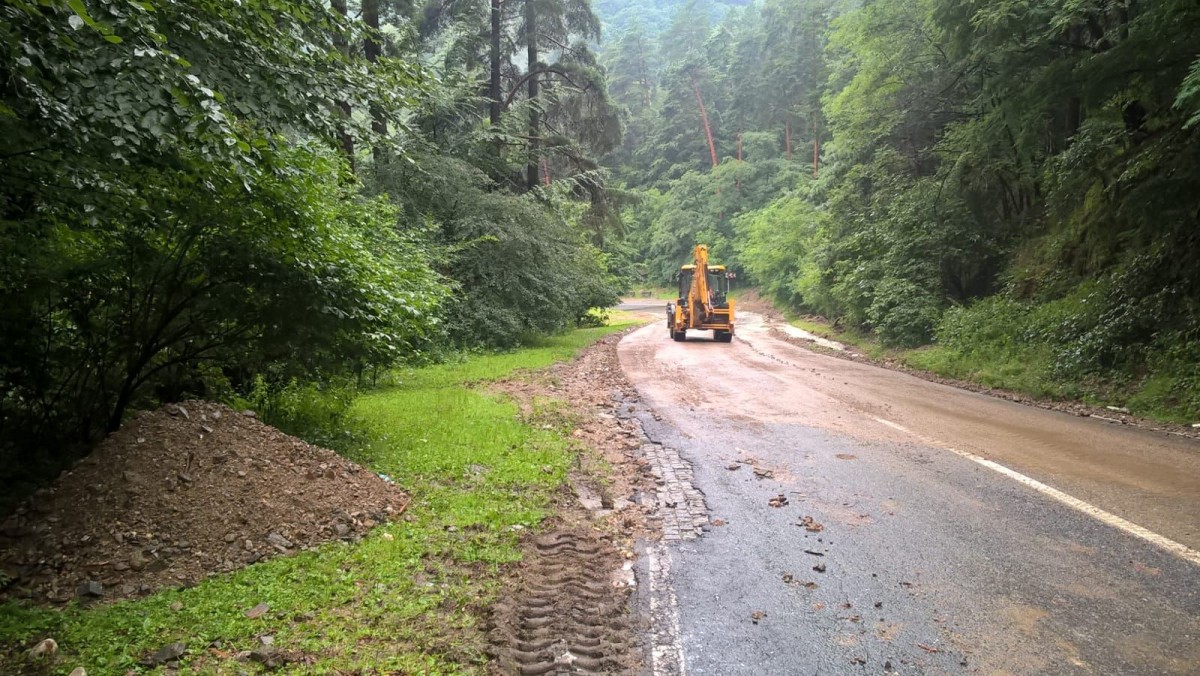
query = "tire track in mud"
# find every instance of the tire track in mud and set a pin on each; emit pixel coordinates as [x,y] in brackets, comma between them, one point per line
[569,614]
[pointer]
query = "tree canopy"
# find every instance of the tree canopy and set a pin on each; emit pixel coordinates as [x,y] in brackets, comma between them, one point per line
[200,197]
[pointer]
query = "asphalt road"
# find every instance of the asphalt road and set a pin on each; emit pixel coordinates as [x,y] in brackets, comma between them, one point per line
[926,529]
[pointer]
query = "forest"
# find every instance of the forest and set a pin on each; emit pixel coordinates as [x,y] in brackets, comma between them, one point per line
[1008,186]
[273,201]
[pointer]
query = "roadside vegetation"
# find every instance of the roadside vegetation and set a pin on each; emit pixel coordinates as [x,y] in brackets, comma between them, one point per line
[1005,183]
[264,203]
[998,354]
[408,598]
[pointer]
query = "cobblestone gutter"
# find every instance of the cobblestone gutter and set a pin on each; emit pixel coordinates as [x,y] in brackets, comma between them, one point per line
[678,503]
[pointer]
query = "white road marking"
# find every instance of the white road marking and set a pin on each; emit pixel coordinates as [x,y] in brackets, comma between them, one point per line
[1180,550]
[894,426]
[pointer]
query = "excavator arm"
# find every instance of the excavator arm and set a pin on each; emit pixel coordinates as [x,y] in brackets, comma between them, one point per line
[699,296]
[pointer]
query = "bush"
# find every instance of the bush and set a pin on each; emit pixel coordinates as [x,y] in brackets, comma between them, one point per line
[299,271]
[903,314]
[520,266]
[318,413]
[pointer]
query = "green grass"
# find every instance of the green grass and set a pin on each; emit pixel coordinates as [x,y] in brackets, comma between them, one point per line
[654,292]
[1024,371]
[1013,369]
[409,597]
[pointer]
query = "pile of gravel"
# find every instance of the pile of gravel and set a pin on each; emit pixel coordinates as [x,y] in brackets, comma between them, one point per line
[178,494]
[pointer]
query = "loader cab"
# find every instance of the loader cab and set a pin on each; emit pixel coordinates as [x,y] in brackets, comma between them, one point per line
[718,284]
[685,283]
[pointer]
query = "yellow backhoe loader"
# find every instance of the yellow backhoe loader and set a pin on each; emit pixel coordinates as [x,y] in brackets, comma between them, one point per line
[704,303]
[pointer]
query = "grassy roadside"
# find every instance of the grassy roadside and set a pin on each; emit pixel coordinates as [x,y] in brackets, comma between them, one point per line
[409,597]
[653,293]
[992,369]
[1024,369]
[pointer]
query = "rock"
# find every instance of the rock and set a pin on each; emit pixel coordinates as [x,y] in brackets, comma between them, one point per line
[206,429]
[278,541]
[78,671]
[263,654]
[177,606]
[44,648]
[230,537]
[257,611]
[341,529]
[266,639]
[90,588]
[137,561]
[168,653]
[249,414]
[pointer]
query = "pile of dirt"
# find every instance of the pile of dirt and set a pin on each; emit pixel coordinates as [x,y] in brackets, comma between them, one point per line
[178,494]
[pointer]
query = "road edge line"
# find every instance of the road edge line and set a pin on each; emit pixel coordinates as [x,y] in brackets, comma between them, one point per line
[1178,549]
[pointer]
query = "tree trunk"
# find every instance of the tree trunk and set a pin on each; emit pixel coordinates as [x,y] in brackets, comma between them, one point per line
[816,146]
[712,147]
[787,137]
[737,185]
[545,172]
[494,56]
[345,139]
[643,75]
[531,179]
[372,49]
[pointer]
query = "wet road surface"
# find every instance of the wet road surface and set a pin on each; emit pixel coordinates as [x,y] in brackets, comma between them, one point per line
[862,522]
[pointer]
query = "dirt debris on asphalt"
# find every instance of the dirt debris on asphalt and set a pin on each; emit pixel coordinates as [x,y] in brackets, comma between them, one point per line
[810,525]
[180,493]
[752,302]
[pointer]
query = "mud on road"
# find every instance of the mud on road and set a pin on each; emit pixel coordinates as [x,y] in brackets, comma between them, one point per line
[855,530]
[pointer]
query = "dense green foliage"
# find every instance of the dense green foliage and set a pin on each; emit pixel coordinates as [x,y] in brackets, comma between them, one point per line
[267,200]
[889,164]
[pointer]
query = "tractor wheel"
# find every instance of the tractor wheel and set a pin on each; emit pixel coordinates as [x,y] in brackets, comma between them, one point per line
[723,336]
[679,336]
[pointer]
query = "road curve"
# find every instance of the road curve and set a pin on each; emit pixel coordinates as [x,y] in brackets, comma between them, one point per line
[959,533]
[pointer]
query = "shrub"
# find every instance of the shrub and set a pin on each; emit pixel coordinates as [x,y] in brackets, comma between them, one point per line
[903,314]
[319,413]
